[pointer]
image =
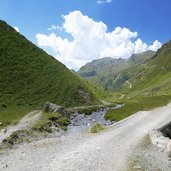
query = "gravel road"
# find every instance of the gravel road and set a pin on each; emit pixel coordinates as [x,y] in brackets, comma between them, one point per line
[105,151]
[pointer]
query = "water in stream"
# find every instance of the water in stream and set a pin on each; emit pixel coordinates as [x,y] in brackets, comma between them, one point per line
[81,123]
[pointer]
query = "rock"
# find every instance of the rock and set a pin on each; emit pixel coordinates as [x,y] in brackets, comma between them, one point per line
[93,120]
[158,139]
[75,115]
[137,167]
[161,150]
[53,108]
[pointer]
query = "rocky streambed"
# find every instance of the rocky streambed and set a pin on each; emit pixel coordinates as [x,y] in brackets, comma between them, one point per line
[80,122]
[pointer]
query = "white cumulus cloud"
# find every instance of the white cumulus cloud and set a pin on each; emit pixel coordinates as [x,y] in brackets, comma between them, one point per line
[140,46]
[104,1]
[156,45]
[54,27]
[90,40]
[16,28]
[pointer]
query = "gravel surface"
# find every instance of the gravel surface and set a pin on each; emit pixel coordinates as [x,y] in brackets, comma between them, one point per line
[108,150]
[150,157]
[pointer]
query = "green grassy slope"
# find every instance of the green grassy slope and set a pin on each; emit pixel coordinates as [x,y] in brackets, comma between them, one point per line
[136,104]
[30,77]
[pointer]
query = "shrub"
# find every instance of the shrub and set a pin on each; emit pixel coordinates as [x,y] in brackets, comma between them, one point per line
[63,121]
[96,128]
[49,130]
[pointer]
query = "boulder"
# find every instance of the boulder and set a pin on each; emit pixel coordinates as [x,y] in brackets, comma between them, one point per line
[93,120]
[158,139]
[53,108]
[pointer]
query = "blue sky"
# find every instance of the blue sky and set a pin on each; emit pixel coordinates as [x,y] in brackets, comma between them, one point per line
[151,19]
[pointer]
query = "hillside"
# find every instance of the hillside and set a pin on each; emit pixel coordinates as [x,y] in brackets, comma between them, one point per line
[30,77]
[99,70]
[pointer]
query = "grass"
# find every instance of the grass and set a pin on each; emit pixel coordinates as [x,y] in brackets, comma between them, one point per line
[89,110]
[96,128]
[12,116]
[137,104]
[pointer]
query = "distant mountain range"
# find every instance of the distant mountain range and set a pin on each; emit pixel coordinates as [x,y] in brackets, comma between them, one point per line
[31,77]
[98,71]
[148,73]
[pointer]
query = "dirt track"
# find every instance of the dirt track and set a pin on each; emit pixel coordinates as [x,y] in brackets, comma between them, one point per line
[108,150]
[25,123]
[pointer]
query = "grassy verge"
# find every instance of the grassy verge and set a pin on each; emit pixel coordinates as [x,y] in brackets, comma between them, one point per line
[11,116]
[87,110]
[137,156]
[49,121]
[137,104]
[96,128]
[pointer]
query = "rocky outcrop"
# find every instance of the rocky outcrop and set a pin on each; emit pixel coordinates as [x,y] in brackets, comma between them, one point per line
[158,139]
[84,95]
[53,108]
[161,138]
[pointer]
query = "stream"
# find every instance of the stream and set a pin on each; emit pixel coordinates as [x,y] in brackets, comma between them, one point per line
[80,123]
